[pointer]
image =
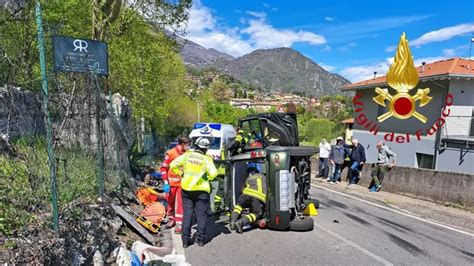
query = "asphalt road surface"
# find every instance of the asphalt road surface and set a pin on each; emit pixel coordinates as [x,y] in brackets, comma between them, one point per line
[347,232]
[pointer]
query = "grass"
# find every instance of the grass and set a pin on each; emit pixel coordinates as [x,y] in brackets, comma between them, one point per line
[25,182]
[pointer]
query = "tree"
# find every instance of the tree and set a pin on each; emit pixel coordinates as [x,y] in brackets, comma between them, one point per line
[219,89]
[316,129]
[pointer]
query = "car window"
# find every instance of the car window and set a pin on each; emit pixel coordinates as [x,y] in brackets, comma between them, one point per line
[215,142]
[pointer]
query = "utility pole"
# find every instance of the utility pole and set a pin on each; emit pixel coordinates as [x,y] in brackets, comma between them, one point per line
[199,110]
[100,145]
[47,118]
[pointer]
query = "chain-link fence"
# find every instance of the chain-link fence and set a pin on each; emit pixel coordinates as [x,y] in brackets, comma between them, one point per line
[85,123]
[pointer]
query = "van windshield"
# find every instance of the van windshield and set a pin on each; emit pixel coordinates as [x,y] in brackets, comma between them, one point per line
[215,142]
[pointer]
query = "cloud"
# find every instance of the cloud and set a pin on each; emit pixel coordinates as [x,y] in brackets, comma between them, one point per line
[443,34]
[391,48]
[329,18]
[348,31]
[348,47]
[327,67]
[266,5]
[462,51]
[255,32]
[365,72]
[200,18]
[256,14]
[264,35]
[326,48]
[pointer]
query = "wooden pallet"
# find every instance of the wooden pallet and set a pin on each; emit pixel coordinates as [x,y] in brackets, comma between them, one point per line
[129,219]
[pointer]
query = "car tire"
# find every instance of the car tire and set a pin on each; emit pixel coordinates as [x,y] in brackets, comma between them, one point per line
[302,224]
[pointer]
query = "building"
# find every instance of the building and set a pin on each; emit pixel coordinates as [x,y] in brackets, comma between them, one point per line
[348,126]
[442,142]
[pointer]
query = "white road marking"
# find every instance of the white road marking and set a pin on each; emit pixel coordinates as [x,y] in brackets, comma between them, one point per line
[397,211]
[177,244]
[361,249]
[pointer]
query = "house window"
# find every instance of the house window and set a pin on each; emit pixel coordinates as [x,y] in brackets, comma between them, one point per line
[424,160]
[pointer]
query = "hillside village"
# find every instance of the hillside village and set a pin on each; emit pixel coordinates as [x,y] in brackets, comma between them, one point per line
[239,96]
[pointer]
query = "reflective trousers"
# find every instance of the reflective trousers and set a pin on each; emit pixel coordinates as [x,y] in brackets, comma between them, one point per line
[175,205]
[244,201]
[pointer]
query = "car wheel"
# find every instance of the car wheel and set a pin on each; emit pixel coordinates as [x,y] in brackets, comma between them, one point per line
[302,224]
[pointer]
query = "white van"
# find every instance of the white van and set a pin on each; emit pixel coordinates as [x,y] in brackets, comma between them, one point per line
[218,134]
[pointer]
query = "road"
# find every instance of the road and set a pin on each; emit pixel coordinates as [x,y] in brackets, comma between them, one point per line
[347,232]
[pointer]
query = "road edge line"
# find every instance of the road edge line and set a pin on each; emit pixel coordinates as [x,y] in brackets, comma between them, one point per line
[177,244]
[397,211]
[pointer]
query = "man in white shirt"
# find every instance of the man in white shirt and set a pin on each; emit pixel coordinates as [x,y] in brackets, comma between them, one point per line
[324,150]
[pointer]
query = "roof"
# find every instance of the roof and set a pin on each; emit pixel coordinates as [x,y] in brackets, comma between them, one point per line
[454,67]
[348,121]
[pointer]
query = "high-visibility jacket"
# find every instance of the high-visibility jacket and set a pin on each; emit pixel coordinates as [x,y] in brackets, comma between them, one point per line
[221,167]
[256,187]
[198,170]
[241,138]
[173,179]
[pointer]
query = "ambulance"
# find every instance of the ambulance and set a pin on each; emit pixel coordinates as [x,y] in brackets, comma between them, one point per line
[219,136]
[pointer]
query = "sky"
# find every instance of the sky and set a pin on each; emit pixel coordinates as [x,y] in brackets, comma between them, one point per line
[351,38]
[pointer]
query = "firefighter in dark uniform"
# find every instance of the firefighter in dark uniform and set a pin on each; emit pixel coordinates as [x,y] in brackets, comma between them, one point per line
[239,143]
[253,196]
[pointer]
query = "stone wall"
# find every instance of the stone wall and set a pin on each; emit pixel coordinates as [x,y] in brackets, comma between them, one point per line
[74,122]
[438,186]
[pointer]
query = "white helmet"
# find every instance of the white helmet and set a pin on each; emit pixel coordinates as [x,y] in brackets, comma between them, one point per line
[203,143]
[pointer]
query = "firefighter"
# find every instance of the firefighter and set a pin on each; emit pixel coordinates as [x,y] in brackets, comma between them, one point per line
[239,142]
[253,196]
[175,206]
[198,170]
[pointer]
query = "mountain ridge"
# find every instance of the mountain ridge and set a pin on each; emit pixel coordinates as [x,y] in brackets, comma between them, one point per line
[278,69]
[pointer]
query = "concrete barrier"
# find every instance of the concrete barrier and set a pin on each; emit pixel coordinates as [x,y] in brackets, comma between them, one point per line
[438,186]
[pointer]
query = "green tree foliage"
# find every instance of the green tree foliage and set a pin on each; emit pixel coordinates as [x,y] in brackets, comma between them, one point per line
[332,109]
[216,111]
[318,128]
[144,64]
[219,89]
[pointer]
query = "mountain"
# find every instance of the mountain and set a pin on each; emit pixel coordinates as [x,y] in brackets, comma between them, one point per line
[195,55]
[280,69]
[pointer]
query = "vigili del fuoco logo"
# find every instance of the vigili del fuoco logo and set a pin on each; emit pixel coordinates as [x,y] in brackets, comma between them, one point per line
[402,77]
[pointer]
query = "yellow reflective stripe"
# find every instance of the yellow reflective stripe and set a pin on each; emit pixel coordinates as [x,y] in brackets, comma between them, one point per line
[238,209]
[255,194]
[249,217]
[252,217]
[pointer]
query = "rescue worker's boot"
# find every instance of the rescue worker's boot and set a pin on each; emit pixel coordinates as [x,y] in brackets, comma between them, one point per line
[200,243]
[178,229]
[171,223]
[245,220]
[234,216]
[232,225]
[239,226]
